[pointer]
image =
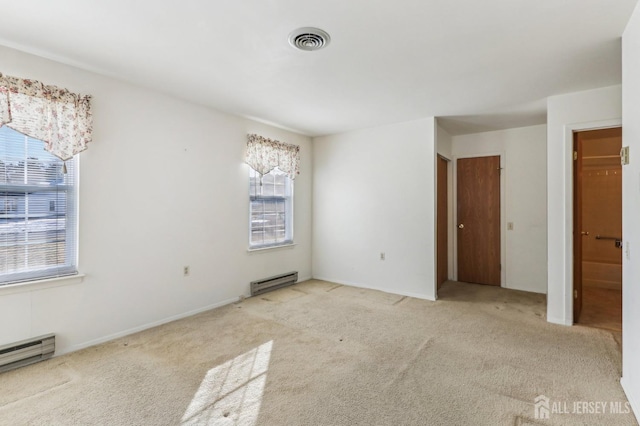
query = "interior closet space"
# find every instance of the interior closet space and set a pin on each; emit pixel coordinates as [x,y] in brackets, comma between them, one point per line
[599,220]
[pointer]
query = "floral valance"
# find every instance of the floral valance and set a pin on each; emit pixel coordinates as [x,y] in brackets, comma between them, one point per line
[59,118]
[264,155]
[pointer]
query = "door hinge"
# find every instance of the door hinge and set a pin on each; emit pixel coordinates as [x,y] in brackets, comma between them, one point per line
[624,155]
[575,155]
[575,294]
[500,266]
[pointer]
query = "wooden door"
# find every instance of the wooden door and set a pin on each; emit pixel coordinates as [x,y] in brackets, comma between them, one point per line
[443,222]
[478,214]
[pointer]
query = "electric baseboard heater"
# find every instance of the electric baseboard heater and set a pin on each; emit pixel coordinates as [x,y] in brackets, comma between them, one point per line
[25,352]
[273,283]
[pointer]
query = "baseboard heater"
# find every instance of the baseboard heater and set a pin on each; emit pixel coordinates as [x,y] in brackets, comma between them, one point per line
[26,352]
[273,283]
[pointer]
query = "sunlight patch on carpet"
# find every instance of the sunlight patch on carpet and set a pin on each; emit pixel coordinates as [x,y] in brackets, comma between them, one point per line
[231,393]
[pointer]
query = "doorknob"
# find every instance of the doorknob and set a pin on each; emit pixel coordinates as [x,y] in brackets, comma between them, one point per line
[461,226]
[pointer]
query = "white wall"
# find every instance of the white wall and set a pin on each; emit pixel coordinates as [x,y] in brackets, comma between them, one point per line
[524,182]
[163,185]
[443,142]
[374,192]
[631,211]
[565,113]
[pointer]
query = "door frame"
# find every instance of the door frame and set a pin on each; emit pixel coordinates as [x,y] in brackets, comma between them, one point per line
[454,223]
[570,131]
[576,199]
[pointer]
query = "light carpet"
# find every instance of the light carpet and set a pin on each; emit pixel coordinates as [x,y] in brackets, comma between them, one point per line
[319,353]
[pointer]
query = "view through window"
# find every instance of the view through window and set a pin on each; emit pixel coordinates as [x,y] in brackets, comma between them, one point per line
[271,211]
[37,210]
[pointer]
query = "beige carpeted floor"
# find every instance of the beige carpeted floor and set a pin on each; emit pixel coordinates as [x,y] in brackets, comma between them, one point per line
[323,354]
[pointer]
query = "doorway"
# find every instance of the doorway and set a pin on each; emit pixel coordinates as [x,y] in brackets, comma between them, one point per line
[478,220]
[597,245]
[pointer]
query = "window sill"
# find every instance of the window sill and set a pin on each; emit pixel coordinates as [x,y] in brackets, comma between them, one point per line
[41,284]
[284,246]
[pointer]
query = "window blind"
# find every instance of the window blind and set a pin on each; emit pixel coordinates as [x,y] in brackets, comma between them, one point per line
[38,211]
[271,209]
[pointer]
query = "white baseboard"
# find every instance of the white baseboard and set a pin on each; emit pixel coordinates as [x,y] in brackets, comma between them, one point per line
[386,290]
[301,279]
[632,399]
[143,327]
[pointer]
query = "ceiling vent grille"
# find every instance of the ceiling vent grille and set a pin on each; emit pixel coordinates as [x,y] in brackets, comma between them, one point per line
[309,38]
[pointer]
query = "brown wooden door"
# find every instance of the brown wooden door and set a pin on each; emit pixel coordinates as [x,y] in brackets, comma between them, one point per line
[478,228]
[443,222]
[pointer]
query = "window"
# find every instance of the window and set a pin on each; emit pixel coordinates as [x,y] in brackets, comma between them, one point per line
[38,211]
[271,209]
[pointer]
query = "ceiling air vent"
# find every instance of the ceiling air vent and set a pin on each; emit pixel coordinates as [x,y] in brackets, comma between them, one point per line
[309,38]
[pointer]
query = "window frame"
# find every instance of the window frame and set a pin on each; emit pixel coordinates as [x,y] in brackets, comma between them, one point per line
[289,214]
[70,192]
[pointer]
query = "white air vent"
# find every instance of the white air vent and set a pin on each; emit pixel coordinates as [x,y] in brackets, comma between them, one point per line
[309,38]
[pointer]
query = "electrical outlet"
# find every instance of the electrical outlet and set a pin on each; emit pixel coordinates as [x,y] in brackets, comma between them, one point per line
[186,271]
[382,256]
